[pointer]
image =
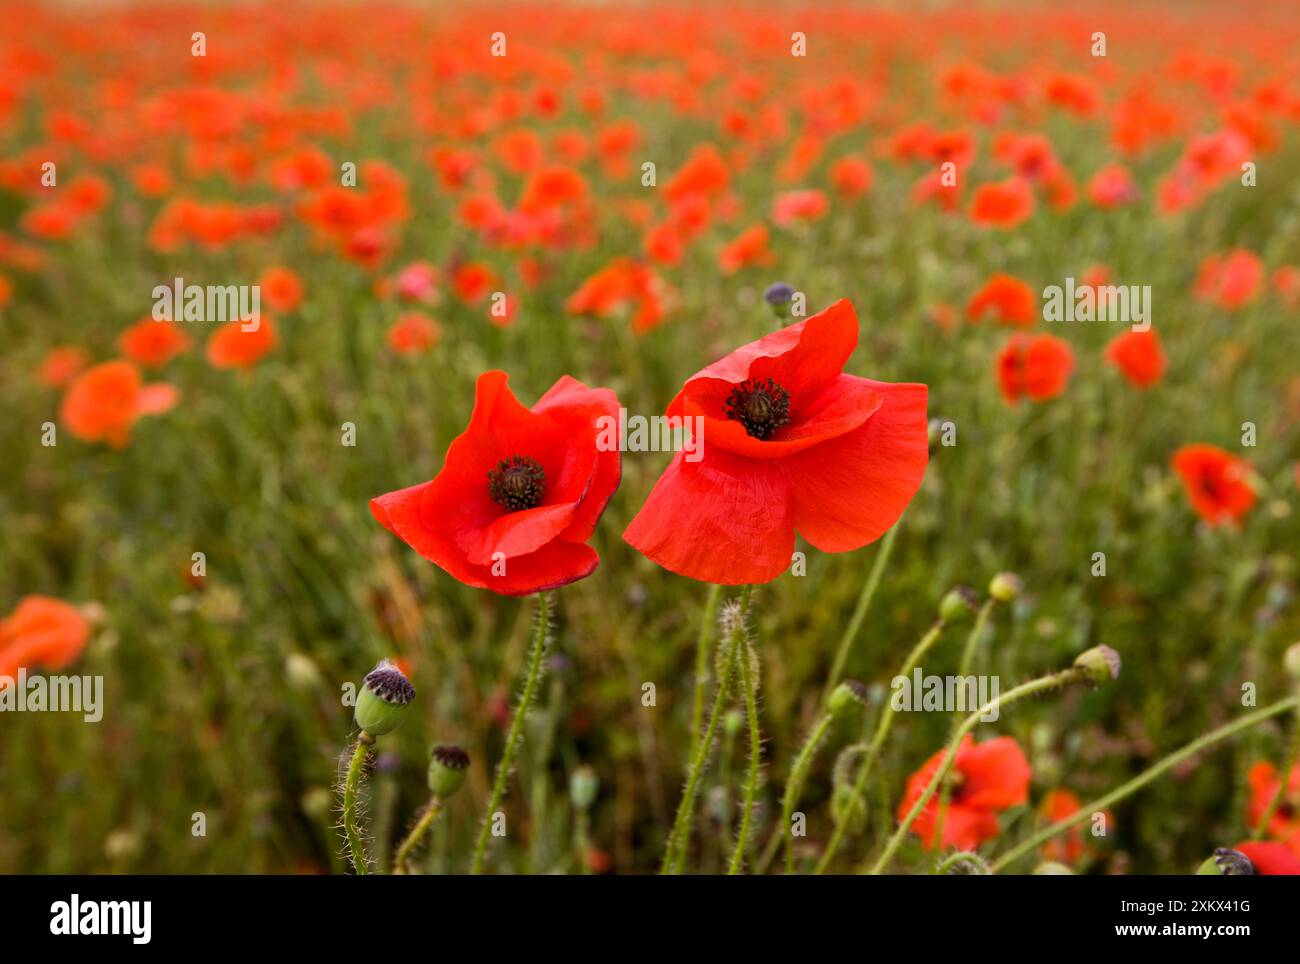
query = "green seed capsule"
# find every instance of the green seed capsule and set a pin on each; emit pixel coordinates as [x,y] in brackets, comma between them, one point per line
[847,699]
[386,696]
[1099,664]
[958,604]
[447,768]
[583,787]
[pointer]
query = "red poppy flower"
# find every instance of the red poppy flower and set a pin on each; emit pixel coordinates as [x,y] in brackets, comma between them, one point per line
[519,493]
[1269,858]
[235,346]
[1230,280]
[1037,367]
[986,778]
[1069,846]
[795,207]
[748,248]
[851,176]
[103,402]
[152,343]
[413,333]
[41,631]
[1008,299]
[1004,204]
[789,442]
[1112,187]
[1285,822]
[62,364]
[281,288]
[1216,482]
[1138,356]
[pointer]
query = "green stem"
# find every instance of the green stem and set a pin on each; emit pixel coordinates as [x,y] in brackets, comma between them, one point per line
[750,675]
[702,661]
[581,840]
[1283,781]
[1145,777]
[515,736]
[351,787]
[794,787]
[883,724]
[417,833]
[967,658]
[860,611]
[1024,689]
[674,848]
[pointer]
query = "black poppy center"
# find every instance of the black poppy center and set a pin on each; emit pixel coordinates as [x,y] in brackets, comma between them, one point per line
[517,483]
[759,404]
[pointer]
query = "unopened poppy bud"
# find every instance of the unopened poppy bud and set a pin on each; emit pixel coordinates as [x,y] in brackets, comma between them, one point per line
[447,768]
[732,722]
[847,698]
[849,809]
[1005,586]
[1099,664]
[958,604]
[1053,868]
[779,294]
[1227,863]
[386,695]
[1291,661]
[583,785]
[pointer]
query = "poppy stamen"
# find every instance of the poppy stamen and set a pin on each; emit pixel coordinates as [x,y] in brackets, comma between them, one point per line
[759,404]
[517,483]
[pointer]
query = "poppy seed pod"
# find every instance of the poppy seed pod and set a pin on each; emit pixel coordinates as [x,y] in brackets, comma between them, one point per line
[1099,664]
[583,786]
[958,604]
[447,768]
[386,695]
[849,809]
[1227,863]
[847,698]
[1005,586]
[1291,661]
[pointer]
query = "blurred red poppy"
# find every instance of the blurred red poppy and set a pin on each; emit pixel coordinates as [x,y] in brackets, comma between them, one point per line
[1007,299]
[41,632]
[153,343]
[988,778]
[1217,483]
[1138,356]
[103,402]
[1036,367]
[237,345]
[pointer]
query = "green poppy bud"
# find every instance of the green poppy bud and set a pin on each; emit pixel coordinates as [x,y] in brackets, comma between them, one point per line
[732,722]
[1005,586]
[1291,661]
[1053,869]
[1099,664]
[849,809]
[1227,863]
[847,698]
[958,604]
[386,696]
[583,786]
[447,768]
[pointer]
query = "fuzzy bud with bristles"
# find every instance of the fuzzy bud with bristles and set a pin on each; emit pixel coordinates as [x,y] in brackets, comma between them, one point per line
[583,786]
[386,696]
[1099,664]
[847,699]
[849,809]
[1005,586]
[958,604]
[447,768]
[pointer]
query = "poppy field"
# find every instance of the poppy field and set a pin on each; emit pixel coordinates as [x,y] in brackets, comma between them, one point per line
[760,438]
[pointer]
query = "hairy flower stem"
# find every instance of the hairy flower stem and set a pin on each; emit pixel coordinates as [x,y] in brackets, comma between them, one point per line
[967,658]
[1040,685]
[417,833]
[1283,781]
[883,723]
[750,676]
[351,788]
[675,847]
[860,610]
[702,661]
[515,736]
[1142,779]
[793,788]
